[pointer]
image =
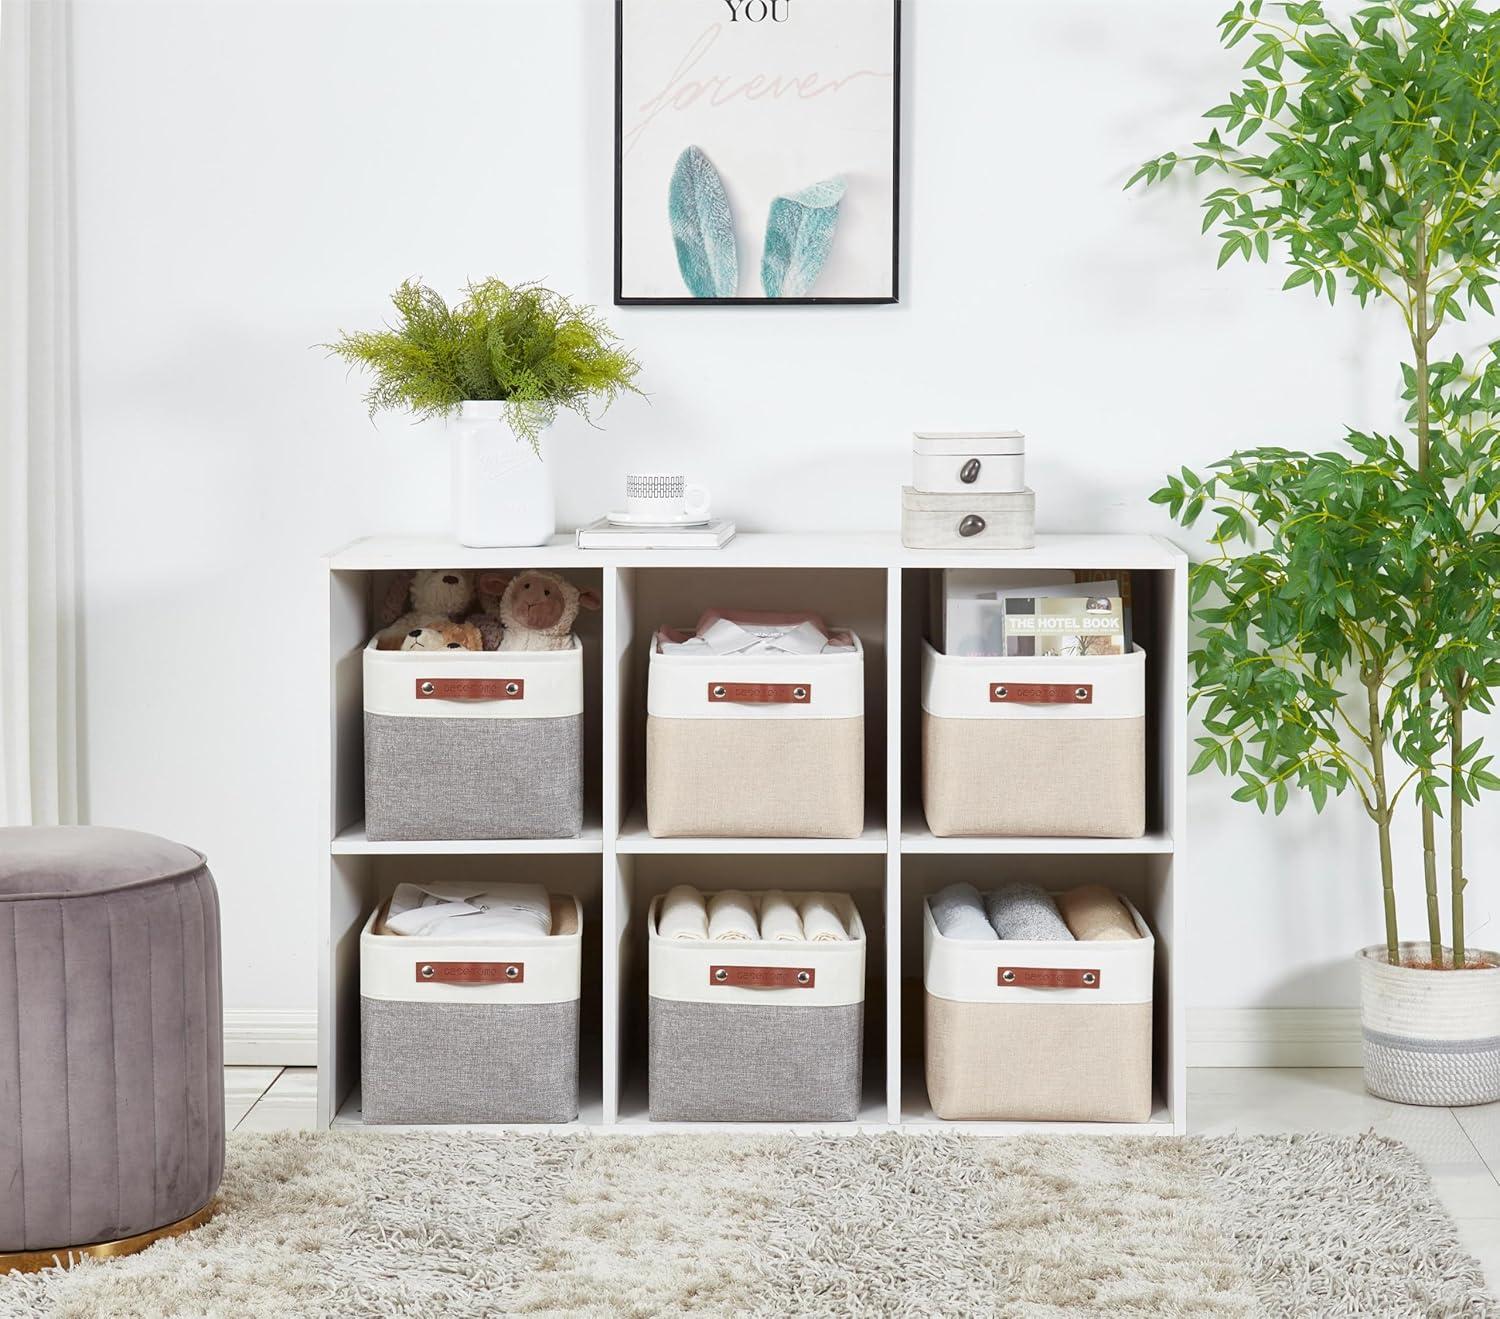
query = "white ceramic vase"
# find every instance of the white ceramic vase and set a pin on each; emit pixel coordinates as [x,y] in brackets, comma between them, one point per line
[502,489]
[1430,1037]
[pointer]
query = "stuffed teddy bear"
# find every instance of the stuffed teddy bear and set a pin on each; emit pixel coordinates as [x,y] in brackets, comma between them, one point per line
[443,635]
[489,587]
[433,595]
[538,610]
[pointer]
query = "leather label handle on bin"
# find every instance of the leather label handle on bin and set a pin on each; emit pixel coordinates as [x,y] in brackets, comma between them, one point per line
[763,977]
[471,689]
[1041,693]
[760,693]
[471,973]
[1047,977]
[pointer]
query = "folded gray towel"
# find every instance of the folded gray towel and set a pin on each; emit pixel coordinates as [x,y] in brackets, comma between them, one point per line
[958,912]
[1024,911]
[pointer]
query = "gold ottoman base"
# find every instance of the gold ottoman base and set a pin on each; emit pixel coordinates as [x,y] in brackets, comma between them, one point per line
[33,1261]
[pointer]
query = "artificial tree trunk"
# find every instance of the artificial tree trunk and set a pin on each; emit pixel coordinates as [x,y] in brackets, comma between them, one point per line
[1381,814]
[1456,830]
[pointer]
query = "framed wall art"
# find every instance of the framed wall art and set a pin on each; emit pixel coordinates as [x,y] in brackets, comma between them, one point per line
[757,151]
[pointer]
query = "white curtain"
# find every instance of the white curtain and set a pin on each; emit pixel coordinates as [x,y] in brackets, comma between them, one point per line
[38,431]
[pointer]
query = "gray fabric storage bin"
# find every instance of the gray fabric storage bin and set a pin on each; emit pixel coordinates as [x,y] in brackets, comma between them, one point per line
[752,1044]
[473,744]
[456,1030]
[1020,746]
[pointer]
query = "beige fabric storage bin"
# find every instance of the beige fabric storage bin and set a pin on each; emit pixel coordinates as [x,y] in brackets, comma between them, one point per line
[1024,746]
[1067,1037]
[756,746]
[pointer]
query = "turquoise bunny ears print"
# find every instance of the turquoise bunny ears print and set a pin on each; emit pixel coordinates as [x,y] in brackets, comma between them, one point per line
[799,232]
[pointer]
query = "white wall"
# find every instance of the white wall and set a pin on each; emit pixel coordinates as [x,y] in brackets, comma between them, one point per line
[254,176]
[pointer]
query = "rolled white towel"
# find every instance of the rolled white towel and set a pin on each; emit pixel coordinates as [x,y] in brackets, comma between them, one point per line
[779,921]
[683,914]
[827,917]
[958,912]
[731,915]
[455,910]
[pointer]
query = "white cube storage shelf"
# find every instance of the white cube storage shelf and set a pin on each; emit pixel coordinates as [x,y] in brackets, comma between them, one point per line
[869,583]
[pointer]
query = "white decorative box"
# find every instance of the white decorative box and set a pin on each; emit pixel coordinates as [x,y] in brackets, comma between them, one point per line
[968,462]
[985,521]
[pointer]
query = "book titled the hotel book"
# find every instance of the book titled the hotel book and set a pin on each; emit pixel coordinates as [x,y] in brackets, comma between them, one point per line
[1064,625]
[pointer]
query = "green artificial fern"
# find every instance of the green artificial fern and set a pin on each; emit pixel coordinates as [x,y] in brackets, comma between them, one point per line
[520,344]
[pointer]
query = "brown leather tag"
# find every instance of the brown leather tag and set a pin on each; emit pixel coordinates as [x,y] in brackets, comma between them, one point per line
[471,689]
[763,977]
[1041,693]
[1047,977]
[760,693]
[471,973]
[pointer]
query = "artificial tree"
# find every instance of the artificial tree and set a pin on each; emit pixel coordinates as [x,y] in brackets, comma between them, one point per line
[1365,150]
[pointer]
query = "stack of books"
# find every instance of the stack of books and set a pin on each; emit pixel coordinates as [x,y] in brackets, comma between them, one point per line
[602,534]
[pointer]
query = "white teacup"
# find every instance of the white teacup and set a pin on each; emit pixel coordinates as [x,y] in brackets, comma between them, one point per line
[664,495]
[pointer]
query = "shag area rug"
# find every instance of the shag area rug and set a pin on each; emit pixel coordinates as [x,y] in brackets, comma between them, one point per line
[466,1224]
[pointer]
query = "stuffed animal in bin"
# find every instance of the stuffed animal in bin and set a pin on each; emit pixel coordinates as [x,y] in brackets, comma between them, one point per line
[538,609]
[489,587]
[443,635]
[429,597]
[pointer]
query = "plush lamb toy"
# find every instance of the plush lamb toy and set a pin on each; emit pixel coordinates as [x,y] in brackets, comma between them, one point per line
[538,610]
[437,595]
[442,635]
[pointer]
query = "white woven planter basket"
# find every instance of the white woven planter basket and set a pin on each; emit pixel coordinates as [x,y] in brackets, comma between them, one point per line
[1430,1037]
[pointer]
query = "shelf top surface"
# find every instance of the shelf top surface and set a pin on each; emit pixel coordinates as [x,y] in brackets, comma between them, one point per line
[860,549]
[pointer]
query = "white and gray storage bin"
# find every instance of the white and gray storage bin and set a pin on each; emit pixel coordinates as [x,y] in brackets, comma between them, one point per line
[473,744]
[756,746]
[464,1030]
[756,1031]
[968,462]
[1047,746]
[1045,1030]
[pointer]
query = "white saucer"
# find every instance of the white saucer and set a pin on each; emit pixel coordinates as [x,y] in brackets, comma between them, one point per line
[652,520]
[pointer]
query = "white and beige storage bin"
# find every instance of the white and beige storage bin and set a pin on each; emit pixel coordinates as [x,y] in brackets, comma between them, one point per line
[1046,1030]
[1046,746]
[473,744]
[756,1031]
[466,1030]
[968,462]
[756,746]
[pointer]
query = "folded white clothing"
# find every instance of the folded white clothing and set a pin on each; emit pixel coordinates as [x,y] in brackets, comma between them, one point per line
[779,920]
[683,914]
[826,917]
[457,910]
[755,634]
[958,912]
[731,915]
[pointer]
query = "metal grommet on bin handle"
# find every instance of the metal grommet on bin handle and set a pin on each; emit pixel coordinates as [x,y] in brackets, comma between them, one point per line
[428,972]
[512,688]
[1008,976]
[721,975]
[1001,692]
[1089,977]
[799,693]
[1082,693]
[428,689]
[803,977]
[720,693]
[511,972]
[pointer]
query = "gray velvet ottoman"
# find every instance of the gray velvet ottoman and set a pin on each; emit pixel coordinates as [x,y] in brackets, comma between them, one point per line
[111,1041]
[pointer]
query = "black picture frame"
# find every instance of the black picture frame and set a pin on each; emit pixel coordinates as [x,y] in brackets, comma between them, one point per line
[620,300]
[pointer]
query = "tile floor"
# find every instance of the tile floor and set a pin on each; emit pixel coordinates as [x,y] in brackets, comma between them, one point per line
[1461,1147]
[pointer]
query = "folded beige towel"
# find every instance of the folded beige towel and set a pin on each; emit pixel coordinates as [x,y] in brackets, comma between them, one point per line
[683,914]
[1093,912]
[731,915]
[779,921]
[826,917]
